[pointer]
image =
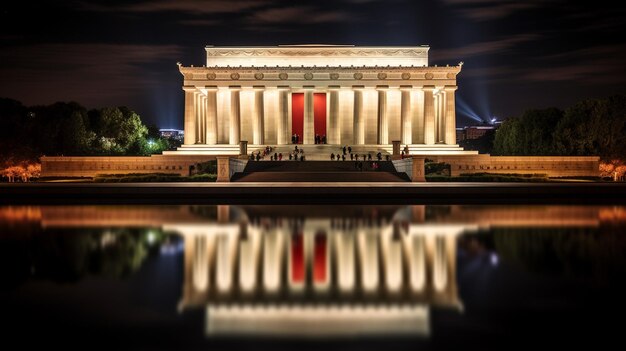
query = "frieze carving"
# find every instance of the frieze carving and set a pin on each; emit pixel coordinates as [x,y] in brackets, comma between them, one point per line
[308,76]
[258,76]
[334,76]
[283,76]
[358,76]
[406,75]
[451,75]
[327,52]
[234,76]
[211,76]
[382,75]
[429,76]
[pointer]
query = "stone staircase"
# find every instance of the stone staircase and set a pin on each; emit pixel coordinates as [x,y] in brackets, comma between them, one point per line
[318,171]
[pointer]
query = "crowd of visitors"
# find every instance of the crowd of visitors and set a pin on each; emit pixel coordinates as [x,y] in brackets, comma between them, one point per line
[346,151]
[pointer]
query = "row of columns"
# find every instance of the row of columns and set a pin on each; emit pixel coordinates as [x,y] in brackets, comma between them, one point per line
[372,261]
[439,116]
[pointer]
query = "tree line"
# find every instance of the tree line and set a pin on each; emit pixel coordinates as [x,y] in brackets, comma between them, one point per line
[595,127]
[69,129]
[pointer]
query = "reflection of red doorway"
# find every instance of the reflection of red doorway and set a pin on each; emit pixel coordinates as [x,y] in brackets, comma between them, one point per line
[320,267]
[297,258]
[297,114]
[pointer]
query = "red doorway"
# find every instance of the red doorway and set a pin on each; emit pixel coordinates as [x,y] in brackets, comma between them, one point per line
[297,114]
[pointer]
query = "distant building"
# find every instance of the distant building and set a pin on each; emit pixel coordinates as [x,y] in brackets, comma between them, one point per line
[176,134]
[473,132]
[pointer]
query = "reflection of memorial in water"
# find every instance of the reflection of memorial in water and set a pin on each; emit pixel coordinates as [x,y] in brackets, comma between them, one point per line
[319,270]
[319,275]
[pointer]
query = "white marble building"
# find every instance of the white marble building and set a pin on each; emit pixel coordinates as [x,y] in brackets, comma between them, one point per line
[348,94]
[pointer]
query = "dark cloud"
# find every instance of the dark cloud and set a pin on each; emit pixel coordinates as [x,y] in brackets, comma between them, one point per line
[486,10]
[194,7]
[498,46]
[298,14]
[592,65]
[201,22]
[93,74]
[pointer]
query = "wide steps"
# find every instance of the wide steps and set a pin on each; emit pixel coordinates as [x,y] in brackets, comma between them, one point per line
[368,177]
[314,166]
[319,171]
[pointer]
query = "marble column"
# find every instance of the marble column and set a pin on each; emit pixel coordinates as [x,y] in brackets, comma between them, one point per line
[258,117]
[441,131]
[190,115]
[383,122]
[406,132]
[309,128]
[429,115]
[201,118]
[283,133]
[436,97]
[235,116]
[450,119]
[211,116]
[333,134]
[359,120]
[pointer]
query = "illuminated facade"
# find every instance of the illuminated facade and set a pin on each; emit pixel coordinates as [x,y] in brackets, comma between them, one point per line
[375,99]
[347,95]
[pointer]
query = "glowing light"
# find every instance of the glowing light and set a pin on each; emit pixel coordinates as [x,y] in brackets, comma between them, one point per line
[465,110]
[151,237]
[494,259]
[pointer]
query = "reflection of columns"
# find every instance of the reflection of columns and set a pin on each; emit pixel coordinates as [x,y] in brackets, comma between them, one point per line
[450,116]
[429,115]
[309,128]
[257,120]
[235,116]
[201,263]
[405,116]
[247,262]
[369,261]
[190,115]
[346,265]
[417,263]
[283,133]
[223,263]
[440,264]
[359,122]
[383,125]
[211,116]
[272,261]
[333,115]
[393,262]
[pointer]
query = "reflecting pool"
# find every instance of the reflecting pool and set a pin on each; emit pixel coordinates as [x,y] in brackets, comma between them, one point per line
[307,277]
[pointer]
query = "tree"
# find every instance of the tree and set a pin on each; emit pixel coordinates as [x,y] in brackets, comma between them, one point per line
[529,134]
[61,129]
[119,131]
[594,127]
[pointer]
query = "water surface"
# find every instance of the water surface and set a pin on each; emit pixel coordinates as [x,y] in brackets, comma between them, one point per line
[307,277]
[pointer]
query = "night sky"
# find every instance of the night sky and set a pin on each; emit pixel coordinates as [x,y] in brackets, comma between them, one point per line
[517,54]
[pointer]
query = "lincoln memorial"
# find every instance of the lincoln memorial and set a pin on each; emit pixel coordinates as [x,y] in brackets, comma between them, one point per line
[378,100]
[347,95]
